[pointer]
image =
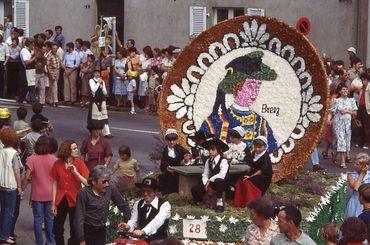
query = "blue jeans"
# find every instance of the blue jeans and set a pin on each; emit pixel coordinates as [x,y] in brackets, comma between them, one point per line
[42,210]
[7,203]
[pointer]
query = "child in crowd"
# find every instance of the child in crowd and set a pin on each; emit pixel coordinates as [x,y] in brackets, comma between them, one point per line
[20,126]
[173,155]
[131,89]
[37,109]
[152,84]
[214,177]
[330,234]
[31,138]
[238,151]
[257,178]
[127,167]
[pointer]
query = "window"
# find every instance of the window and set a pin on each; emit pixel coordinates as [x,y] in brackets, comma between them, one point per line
[197,20]
[221,14]
[21,15]
[112,8]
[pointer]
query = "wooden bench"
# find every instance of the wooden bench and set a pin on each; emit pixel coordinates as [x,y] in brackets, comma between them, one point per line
[190,176]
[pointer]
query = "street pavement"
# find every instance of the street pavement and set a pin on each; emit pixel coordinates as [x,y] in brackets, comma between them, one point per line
[138,131]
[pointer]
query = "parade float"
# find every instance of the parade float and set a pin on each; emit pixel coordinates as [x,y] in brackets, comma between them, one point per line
[281,80]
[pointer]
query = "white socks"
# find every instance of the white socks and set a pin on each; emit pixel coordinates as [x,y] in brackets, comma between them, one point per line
[219,202]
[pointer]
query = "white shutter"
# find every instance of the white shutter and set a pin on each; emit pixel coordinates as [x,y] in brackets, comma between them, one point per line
[21,15]
[255,12]
[197,20]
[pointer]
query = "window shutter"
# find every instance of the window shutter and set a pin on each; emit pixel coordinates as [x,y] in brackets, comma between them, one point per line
[197,20]
[21,15]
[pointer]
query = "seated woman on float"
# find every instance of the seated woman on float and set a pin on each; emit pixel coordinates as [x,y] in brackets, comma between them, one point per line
[238,152]
[257,178]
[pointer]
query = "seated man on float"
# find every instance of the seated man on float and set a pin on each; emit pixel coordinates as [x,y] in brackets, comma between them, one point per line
[198,152]
[150,215]
[173,155]
[257,178]
[238,152]
[214,177]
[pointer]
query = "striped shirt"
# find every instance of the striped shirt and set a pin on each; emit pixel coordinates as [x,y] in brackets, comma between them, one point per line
[53,63]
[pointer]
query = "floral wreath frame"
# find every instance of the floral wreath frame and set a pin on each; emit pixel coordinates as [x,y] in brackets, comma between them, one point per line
[181,98]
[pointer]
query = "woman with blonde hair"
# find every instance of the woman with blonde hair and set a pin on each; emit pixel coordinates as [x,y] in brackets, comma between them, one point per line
[360,176]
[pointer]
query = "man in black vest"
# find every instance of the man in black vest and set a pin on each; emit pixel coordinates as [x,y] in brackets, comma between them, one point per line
[150,215]
[215,173]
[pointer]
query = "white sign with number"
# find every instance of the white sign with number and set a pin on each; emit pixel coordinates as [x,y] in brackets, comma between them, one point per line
[194,228]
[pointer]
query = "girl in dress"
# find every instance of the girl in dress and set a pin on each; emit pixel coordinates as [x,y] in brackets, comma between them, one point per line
[342,110]
[128,169]
[360,176]
[98,108]
[258,175]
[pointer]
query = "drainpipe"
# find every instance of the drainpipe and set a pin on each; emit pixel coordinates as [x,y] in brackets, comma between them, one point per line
[358,26]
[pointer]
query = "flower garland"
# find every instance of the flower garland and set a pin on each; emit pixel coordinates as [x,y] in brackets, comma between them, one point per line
[325,200]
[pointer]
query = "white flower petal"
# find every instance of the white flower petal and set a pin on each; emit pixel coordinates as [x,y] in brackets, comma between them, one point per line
[247,31]
[261,31]
[189,100]
[175,106]
[190,113]
[174,99]
[315,107]
[314,117]
[304,108]
[193,88]
[264,38]
[185,86]
[254,28]
[305,122]
[177,91]
[181,112]
[314,99]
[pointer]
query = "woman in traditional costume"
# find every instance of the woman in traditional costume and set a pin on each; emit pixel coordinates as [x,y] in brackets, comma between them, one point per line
[98,113]
[258,177]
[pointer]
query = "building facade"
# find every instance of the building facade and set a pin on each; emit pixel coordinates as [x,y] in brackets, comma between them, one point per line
[336,24]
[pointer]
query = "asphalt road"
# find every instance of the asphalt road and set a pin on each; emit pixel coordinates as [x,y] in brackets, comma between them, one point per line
[138,131]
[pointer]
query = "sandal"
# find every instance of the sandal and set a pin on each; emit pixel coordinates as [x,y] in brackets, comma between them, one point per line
[325,155]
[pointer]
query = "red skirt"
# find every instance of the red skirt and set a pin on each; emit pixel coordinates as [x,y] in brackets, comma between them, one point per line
[245,191]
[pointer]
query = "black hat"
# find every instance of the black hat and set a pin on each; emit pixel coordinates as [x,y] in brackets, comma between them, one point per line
[95,126]
[215,142]
[148,182]
[200,135]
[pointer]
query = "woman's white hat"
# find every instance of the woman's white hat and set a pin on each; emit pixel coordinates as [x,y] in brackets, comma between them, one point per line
[240,131]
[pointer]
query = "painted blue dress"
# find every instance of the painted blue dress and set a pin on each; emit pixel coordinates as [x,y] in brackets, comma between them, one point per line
[354,207]
[120,85]
[342,123]
[253,124]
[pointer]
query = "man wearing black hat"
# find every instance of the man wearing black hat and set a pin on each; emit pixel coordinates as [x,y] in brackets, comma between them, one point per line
[215,173]
[92,207]
[150,215]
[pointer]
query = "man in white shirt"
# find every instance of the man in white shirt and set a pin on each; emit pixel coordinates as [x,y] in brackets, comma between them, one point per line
[70,65]
[150,215]
[27,72]
[85,51]
[4,57]
[214,175]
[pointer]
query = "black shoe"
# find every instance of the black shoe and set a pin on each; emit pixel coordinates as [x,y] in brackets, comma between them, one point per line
[220,209]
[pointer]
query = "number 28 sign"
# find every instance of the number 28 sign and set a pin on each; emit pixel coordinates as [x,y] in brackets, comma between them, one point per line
[195,228]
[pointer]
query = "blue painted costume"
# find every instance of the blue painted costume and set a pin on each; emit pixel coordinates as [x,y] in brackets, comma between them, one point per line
[253,124]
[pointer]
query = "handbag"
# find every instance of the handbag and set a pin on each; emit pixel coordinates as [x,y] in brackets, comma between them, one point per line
[31,77]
